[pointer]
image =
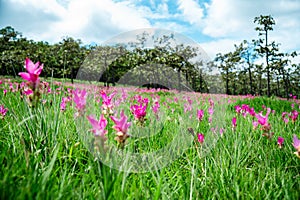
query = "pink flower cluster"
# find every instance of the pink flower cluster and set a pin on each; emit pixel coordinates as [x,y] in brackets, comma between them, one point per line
[33,72]
[107,104]
[121,126]
[80,101]
[292,115]
[3,111]
[139,110]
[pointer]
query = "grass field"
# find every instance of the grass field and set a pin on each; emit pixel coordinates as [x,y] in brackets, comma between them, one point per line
[199,146]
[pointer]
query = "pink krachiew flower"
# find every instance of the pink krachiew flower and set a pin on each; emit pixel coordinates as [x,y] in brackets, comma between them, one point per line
[200,137]
[233,122]
[294,115]
[139,111]
[121,124]
[280,141]
[296,142]
[210,111]
[33,71]
[155,107]
[200,114]
[80,100]
[107,100]
[98,126]
[255,124]
[3,111]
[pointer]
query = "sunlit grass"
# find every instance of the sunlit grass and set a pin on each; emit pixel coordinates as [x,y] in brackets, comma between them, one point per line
[43,154]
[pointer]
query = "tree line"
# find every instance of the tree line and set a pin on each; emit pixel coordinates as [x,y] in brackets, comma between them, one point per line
[256,67]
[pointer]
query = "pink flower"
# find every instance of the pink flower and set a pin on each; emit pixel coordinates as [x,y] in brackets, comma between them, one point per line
[98,126]
[175,100]
[286,120]
[63,104]
[294,115]
[200,114]
[262,120]
[3,111]
[251,111]
[33,71]
[280,141]
[155,107]
[200,138]
[4,92]
[211,102]
[255,124]
[296,143]
[210,111]
[187,107]
[210,120]
[121,125]
[27,91]
[139,111]
[238,109]
[221,131]
[80,100]
[233,122]
[124,95]
[107,100]
[283,114]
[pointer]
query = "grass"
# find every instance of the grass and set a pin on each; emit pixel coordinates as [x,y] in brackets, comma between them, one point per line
[44,154]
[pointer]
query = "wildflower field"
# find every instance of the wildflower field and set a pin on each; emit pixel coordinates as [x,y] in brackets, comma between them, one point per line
[87,141]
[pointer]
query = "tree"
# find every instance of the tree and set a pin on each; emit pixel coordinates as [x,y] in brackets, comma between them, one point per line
[265,24]
[72,56]
[282,65]
[247,54]
[227,64]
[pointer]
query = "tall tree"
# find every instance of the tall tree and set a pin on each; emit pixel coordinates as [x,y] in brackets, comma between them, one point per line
[265,24]
[247,54]
[227,63]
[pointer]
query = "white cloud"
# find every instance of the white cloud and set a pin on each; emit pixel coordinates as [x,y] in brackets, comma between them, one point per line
[89,20]
[94,20]
[233,19]
[223,22]
[219,46]
[224,18]
[191,11]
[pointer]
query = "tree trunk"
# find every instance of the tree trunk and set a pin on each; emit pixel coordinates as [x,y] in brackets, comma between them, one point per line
[250,78]
[286,88]
[227,81]
[268,68]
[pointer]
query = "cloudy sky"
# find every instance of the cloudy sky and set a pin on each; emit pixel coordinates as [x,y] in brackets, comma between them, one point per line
[215,24]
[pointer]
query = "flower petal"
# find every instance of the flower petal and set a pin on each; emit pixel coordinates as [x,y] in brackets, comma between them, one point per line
[25,76]
[93,122]
[30,67]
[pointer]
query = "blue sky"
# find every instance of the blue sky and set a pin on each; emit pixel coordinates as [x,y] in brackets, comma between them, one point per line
[215,24]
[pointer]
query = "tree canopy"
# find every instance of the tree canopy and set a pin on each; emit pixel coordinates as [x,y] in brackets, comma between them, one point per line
[256,66]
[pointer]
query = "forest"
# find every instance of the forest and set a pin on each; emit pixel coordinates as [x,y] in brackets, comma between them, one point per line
[256,66]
